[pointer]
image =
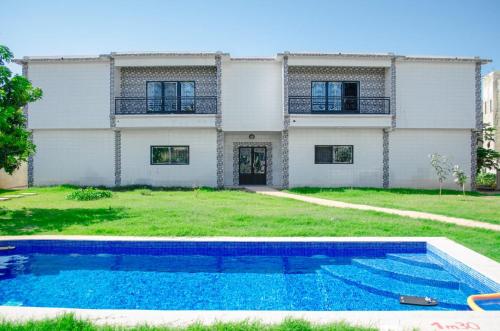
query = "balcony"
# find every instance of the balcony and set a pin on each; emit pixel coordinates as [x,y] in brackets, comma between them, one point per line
[339,105]
[162,106]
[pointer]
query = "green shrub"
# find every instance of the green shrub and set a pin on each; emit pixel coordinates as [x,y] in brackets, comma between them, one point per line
[146,192]
[89,193]
[486,179]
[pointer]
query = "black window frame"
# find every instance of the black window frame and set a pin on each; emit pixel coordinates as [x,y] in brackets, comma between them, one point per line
[333,161]
[178,95]
[168,146]
[342,104]
[316,153]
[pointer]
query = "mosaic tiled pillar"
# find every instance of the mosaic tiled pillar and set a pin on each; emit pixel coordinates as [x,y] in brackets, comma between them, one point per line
[220,158]
[31,178]
[286,125]
[112,122]
[118,158]
[385,133]
[218,124]
[385,159]
[393,92]
[479,126]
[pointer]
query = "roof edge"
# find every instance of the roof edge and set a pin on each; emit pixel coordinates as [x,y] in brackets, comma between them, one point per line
[278,56]
[390,56]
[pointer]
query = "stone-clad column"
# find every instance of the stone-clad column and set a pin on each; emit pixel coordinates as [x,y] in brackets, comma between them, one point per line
[479,126]
[218,123]
[112,123]
[385,132]
[393,92]
[31,168]
[112,92]
[385,158]
[118,158]
[286,124]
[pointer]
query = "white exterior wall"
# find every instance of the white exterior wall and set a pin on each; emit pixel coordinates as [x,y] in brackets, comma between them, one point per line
[435,94]
[18,179]
[273,138]
[80,157]
[409,156]
[75,95]
[365,171]
[252,96]
[135,157]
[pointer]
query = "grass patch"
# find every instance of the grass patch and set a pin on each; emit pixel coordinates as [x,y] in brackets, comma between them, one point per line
[89,193]
[204,212]
[69,323]
[473,205]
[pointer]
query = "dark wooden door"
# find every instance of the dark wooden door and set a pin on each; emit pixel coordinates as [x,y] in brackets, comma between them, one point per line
[252,165]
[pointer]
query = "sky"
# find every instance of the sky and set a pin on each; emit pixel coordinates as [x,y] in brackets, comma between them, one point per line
[253,28]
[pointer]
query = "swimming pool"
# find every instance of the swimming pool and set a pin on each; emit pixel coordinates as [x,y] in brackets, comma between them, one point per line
[223,275]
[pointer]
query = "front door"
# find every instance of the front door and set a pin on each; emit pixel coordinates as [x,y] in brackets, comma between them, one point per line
[253,165]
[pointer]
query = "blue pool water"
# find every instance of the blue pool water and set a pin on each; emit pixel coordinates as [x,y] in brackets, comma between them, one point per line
[232,276]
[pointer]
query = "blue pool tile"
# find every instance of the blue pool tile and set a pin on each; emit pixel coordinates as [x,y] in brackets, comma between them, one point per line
[230,275]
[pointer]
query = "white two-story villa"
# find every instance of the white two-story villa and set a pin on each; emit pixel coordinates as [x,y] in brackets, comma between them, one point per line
[207,119]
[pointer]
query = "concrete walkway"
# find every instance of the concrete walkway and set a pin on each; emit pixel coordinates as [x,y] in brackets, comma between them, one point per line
[407,213]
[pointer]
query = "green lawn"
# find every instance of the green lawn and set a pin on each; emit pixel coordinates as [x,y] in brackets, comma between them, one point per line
[214,213]
[70,323]
[474,206]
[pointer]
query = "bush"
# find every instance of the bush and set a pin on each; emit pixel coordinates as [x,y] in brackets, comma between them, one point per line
[89,193]
[146,192]
[486,179]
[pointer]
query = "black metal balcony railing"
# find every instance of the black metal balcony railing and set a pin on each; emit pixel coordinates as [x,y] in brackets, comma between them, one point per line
[175,105]
[338,105]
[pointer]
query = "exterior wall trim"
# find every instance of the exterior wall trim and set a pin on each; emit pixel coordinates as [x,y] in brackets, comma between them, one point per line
[112,118]
[31,167]
[285,181]
[385,159]
[393,92]
[479,126]
[118,158]
[218,123]
[236,160]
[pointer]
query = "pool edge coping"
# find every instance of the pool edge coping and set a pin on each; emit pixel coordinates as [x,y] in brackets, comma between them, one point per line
[383,320]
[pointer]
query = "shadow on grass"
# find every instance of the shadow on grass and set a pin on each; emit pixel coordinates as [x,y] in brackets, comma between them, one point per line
[37,220]
[311,190]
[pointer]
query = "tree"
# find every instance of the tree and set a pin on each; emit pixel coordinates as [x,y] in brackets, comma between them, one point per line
[460,177]
[487,158]
[15,93]
[442,167]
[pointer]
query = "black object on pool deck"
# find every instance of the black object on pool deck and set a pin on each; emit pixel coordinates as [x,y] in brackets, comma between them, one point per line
[417,301]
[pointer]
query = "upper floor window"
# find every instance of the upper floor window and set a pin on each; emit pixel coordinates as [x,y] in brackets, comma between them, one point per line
[170,96]
[335,96]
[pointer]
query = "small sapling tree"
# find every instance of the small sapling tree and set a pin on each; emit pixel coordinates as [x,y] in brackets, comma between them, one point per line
[442,167]
[460,177]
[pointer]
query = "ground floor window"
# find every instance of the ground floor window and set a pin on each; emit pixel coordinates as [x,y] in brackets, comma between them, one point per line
[333,154]
[169,155]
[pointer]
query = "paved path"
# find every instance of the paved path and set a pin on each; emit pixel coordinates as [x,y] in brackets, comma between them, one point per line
[266,190]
